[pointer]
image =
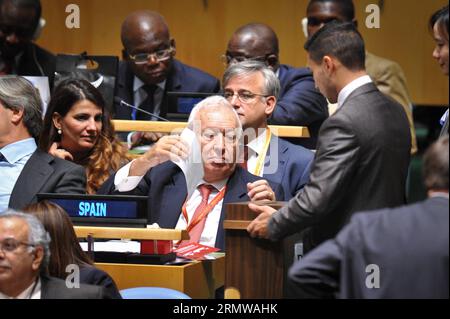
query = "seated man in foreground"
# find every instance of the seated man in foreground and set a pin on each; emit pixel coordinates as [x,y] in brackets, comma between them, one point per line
[218,129]
[24,257]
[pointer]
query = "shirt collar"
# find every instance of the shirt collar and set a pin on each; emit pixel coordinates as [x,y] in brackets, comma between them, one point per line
[137,84]
[439,194]
[16,151]
[352,86]
[444,118]
[28,293]
[258,143]
[277,73]
[217,185]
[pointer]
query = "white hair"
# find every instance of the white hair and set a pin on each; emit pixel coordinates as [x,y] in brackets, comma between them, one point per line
[37,235]
[215,103]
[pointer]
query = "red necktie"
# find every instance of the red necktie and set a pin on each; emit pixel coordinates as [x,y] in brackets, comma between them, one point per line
[196,232]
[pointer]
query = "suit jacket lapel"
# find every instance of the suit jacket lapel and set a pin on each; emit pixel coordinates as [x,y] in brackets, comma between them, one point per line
[172,200]
[34,175]
[361,90]
[236,191]
[279,149]
[173,84]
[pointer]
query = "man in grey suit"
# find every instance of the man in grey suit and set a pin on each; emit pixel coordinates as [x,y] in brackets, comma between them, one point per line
[25,170]
[363,150]
[389,253]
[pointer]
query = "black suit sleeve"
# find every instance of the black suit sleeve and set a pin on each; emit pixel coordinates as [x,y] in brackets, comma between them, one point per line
[73,181]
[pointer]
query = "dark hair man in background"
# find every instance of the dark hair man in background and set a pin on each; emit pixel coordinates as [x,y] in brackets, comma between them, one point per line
[406,247]
[387,75]
[363,149]
[20,24]
[299,103]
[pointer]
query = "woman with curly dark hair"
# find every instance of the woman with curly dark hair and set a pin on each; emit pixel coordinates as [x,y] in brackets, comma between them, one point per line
[78,127]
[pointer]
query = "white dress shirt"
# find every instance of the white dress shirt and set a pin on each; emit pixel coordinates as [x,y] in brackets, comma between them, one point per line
[209,234]
[32,292]
[125,183]
[256,147]
[17,155]
[352,86]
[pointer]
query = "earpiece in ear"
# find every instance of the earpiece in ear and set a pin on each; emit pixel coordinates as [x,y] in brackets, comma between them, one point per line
[39,27]
[305,27]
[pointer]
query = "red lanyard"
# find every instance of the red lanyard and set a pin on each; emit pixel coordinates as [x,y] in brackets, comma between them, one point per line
[205,211]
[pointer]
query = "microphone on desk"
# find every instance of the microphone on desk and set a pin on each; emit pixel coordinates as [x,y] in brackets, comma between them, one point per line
[122,102]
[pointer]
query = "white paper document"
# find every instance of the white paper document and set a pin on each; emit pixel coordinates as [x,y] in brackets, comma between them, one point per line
[42,85]
[192,166]
[121,246]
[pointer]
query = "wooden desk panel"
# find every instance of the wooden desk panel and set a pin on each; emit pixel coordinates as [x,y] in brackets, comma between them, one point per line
[199,280]
[172,127]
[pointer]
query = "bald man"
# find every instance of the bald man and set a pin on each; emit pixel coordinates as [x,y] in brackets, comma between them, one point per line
[149,70]
[299,102]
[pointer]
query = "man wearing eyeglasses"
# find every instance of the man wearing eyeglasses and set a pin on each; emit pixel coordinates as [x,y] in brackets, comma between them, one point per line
[299,102]
[387,75]
[218,129]
[24,256]
[252,88]
[19,27]
[150,70]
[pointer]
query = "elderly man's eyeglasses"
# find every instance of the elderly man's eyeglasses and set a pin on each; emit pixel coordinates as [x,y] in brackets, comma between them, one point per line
[159,56]
[10,245]
[228,59]
[210,135]
[243,96]
[314,22]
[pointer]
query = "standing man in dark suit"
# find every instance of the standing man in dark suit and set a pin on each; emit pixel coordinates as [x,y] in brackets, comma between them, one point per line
[218,129]
[390,253]
[150,71]
[25,170]
[299,103]
[20,23]
[363,150]
[252,88]
[24,256]
[387,75]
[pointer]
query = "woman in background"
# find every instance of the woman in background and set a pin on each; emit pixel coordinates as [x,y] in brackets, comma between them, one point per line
[439,28]
[66,250]
[77,127]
